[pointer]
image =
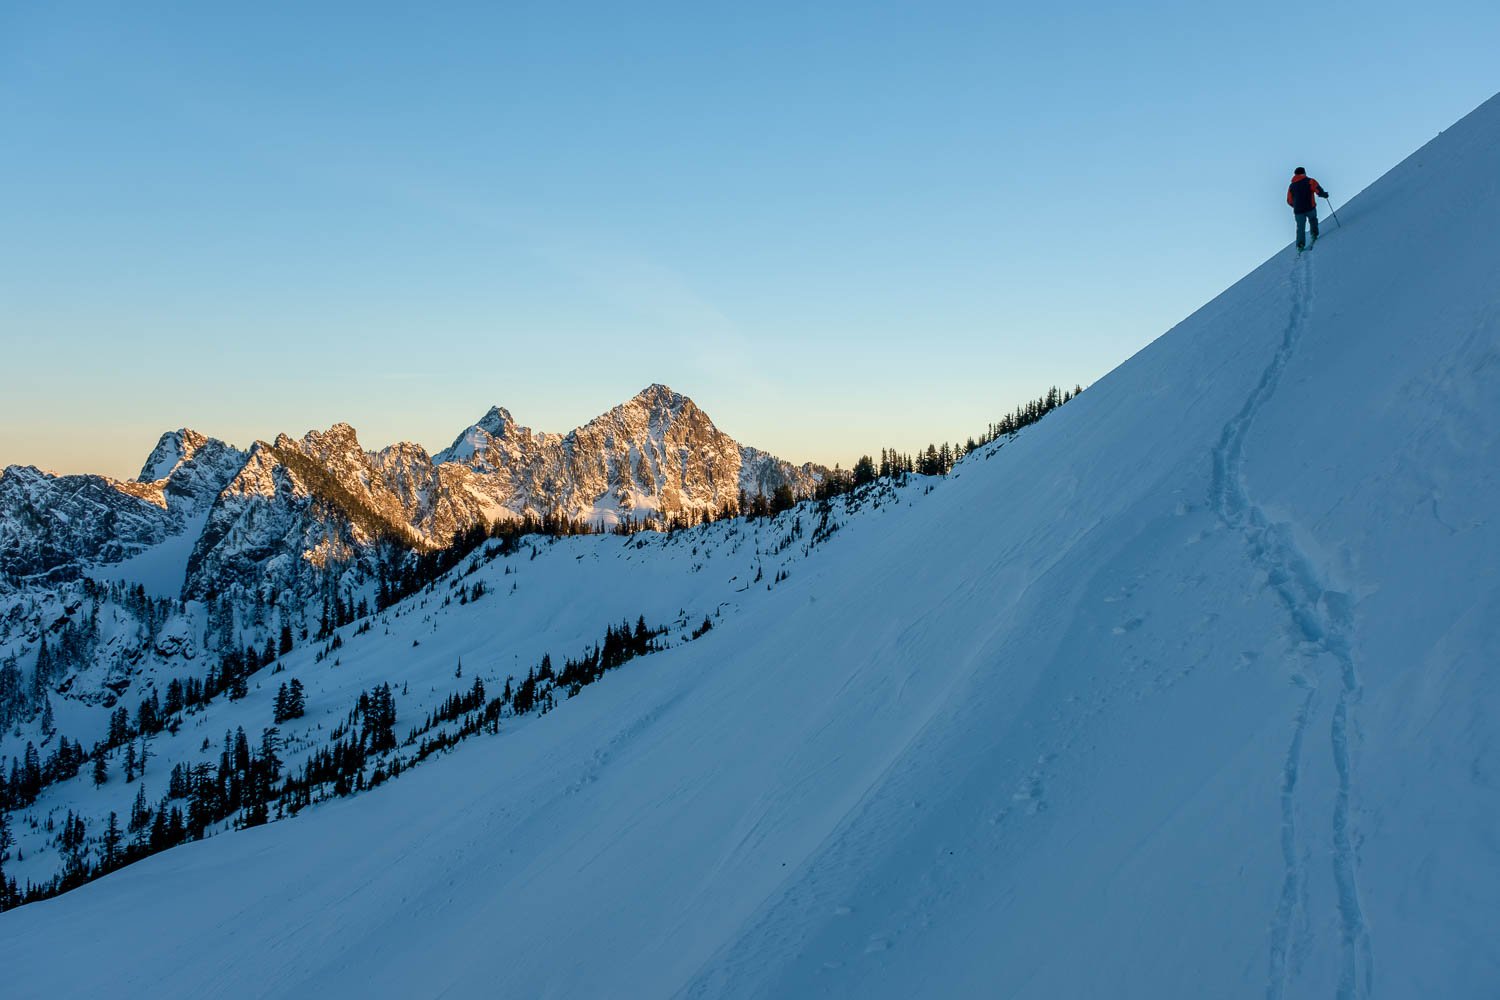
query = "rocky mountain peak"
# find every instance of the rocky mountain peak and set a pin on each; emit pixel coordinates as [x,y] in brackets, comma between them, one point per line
[24,473]
[339,439]
[481,445]
[496,422]
[172,449]
[655,416]
[662,398]
[336,451]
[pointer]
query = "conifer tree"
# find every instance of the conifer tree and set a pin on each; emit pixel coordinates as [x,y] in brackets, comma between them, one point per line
[112,838]
[237,688]
[174,697]
[270,760]
[31,772]
[140,813]
[119,727]
[241,751]
[12,697]
[146,715]
[41,679]
[158,838]
[295,699]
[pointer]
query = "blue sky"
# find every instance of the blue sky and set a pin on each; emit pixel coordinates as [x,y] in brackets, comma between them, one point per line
[837,227]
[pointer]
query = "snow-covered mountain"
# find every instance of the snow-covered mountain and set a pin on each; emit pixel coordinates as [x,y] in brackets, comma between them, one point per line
[1187,690]
[656,453]
[257,517]
[54,527]
[324,499]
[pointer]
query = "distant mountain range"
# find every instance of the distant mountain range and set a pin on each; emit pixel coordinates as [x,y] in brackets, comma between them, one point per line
[267,516]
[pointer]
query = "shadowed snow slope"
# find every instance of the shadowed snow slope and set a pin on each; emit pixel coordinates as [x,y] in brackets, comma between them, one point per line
[1188,691]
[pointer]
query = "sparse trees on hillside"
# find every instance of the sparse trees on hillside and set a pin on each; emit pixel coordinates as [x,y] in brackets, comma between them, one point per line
[289,703]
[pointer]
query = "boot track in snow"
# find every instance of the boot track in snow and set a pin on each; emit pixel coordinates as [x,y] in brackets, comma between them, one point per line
[1323,619]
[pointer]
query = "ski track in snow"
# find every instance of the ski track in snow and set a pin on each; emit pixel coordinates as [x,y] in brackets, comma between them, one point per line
[1323,619]
[1293,884]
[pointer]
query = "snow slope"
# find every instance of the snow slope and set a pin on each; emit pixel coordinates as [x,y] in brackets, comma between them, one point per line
[1187,691]
[160,568]
[551,596]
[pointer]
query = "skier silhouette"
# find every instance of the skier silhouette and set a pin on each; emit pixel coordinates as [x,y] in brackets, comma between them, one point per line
[1302,194]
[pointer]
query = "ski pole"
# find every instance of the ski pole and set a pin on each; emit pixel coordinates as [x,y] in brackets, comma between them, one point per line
[1333,213]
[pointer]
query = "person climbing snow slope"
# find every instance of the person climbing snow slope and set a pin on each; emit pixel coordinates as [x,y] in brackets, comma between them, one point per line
[1302,194]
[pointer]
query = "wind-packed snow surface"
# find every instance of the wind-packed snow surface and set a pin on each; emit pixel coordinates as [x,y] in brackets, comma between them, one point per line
[1190,690]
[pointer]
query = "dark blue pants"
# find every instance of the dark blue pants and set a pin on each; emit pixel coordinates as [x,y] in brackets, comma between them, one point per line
[1303,218]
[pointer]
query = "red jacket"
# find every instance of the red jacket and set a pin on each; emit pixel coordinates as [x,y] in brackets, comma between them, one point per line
[1301,193]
